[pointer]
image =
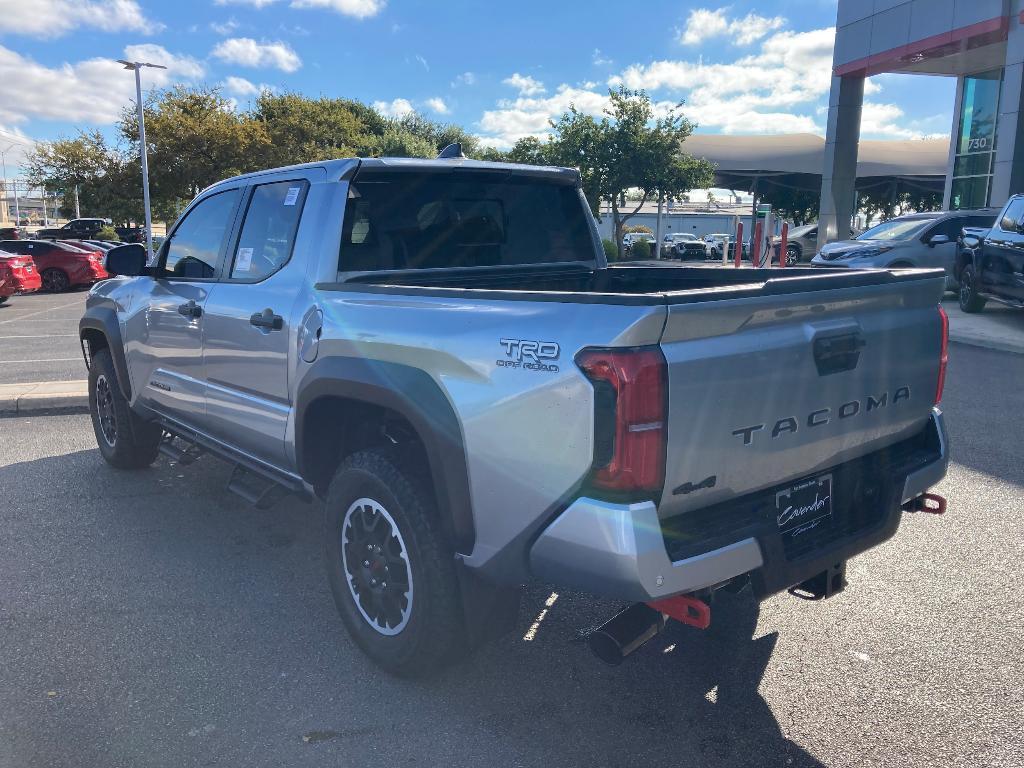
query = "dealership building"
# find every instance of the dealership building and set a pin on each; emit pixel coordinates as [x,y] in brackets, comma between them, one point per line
[979,42]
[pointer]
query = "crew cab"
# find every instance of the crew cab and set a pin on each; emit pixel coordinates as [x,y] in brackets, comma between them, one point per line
[438,351]
[991,260]
[61,266]
[18,274]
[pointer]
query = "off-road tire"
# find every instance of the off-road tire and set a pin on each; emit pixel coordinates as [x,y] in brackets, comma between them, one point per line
[970,301]
[133,443]
[433,628]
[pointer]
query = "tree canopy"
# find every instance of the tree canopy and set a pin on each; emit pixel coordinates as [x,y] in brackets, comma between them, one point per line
[627,148]
[196,136]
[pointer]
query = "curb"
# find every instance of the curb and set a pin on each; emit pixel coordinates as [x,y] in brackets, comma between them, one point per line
[44,397]
[73,396]
[993,344]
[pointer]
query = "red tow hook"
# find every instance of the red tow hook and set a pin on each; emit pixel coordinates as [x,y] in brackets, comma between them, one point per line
[931,503]
[688,610]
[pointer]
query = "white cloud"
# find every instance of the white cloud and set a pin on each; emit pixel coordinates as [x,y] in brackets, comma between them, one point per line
[793,72]
[253,3]
[178,67]
[359,9]
[239,86]
[422,61]
[92,91]
[526,85]
[466,78]
[598,59]
[703,23]
[16,145]
[53,18]
[437,105]
[525,116]
[888,121]
[246,52]
[225,27]
[394,108]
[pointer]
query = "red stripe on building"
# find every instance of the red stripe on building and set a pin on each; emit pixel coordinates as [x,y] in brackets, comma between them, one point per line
[935,46]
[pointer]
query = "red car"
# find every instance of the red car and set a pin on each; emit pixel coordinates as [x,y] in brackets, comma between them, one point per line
[17,275]
[60,266]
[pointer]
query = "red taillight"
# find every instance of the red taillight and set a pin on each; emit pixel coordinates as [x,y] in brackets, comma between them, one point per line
[629,417]
[943,356]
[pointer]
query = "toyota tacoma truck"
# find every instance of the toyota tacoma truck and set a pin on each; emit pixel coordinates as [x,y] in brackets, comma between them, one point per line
[438,351]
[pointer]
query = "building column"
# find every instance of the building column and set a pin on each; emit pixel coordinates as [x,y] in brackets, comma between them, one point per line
[954,134]
[839,173]
[1008,169]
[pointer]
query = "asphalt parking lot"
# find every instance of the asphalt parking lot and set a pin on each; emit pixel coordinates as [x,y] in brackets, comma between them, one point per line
[39,337]
[153,619]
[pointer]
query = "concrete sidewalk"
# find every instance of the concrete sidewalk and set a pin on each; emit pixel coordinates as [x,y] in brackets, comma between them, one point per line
[996,327]
[46,396]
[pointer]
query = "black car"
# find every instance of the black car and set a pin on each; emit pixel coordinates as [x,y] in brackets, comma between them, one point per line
[76,229]
[990,264]
[131,234]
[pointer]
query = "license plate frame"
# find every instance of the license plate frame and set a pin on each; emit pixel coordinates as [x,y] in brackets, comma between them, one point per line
[805,506]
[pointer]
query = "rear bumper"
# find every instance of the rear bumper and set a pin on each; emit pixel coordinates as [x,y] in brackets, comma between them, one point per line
[619,550]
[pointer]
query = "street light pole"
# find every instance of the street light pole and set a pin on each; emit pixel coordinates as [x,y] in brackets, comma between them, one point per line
[3,162]
[137,66]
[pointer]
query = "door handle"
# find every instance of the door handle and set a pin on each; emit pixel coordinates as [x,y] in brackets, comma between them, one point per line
[267,319]
[190,309]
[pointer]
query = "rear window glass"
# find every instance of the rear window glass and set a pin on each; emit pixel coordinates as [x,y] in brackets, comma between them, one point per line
[429,220]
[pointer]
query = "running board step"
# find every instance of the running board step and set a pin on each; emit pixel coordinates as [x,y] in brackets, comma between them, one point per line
[257,489]
[174,453]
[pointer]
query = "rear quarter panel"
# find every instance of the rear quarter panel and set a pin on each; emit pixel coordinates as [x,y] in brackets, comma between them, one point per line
[527,433]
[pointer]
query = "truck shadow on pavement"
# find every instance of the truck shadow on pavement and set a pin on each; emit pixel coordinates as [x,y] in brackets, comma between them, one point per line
[686,698]
[213,591]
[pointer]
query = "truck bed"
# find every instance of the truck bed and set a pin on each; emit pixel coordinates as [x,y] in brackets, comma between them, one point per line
[640,283]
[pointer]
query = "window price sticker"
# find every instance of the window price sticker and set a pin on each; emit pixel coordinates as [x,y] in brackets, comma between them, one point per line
[243,262]
[292,196]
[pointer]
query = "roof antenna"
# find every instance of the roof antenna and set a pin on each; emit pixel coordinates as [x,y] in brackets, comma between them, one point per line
[451,151]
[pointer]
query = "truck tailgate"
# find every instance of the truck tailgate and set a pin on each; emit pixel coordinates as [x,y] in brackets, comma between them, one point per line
[771,388]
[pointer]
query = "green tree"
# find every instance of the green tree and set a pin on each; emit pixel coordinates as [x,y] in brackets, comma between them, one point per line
[530,150]
[629,149]
[798,205]
[296,129]
[195,138]
[107,178]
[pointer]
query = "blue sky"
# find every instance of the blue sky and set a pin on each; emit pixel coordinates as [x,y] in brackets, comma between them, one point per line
[500,71]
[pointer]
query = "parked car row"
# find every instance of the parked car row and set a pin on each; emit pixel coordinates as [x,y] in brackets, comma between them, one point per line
[914,240]
[52,265]
[685,245]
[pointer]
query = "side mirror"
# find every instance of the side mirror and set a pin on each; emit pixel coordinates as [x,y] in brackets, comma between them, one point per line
[938,240]
[129,260]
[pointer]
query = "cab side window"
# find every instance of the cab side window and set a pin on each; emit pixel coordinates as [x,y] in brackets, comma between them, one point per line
[950,228]
[194,250]
[268,233]
[1013,217]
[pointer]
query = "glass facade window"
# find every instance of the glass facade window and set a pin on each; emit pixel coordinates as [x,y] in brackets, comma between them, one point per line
[976,140]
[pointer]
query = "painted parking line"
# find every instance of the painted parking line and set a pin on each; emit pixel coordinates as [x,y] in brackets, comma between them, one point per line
[45,336]
[39,312]
[45,360]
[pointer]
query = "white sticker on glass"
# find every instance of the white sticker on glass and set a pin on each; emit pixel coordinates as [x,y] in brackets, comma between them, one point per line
[243,262]
[292,196]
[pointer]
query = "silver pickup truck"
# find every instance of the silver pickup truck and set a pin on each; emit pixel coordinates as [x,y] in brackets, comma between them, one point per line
[438,351]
